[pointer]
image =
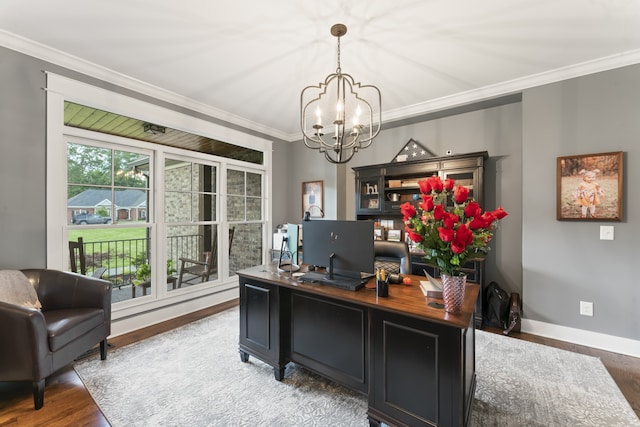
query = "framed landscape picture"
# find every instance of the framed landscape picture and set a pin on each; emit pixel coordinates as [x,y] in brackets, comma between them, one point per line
[589,187]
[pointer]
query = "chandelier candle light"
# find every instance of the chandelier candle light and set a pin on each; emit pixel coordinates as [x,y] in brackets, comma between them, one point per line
[354,111]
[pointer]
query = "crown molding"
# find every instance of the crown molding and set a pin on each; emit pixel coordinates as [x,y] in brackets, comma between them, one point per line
[514,86]
[64,59]
[46,53]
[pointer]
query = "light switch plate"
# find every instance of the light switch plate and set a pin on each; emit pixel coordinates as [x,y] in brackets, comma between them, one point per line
[606,232]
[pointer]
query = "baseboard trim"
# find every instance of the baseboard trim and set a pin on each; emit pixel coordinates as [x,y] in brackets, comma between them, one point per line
[606,342]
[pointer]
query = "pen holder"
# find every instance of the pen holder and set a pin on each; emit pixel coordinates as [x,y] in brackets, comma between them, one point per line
[382,287]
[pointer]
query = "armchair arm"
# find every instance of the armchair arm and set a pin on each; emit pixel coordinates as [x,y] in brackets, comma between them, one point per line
[62,290]
[191,261]
[24,353]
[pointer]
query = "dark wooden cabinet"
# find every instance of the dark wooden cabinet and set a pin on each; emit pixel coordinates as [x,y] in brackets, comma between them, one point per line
[382,188]
[261,324]
[417,367]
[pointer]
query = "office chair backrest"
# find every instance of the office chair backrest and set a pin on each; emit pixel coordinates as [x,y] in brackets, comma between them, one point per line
[394,257]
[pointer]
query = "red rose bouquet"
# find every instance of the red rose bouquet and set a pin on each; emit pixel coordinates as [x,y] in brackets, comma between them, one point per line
[449,234]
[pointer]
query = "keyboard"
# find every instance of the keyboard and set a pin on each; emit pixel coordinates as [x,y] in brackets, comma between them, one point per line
[340,282]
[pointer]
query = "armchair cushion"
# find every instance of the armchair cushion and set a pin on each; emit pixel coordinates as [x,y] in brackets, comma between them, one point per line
[65,326]
[15,288]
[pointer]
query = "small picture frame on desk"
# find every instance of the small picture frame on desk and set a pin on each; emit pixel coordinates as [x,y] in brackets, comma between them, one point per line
[394,235]
[378,233]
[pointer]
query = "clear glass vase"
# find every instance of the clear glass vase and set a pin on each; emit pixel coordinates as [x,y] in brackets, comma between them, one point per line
[453,292]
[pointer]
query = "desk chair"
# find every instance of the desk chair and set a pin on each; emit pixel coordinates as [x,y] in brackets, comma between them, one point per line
[394,257]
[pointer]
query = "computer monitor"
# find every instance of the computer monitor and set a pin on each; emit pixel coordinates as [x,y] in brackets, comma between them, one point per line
[344,248]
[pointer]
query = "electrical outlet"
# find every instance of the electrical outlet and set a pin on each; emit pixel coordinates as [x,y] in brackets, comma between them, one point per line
[586,308]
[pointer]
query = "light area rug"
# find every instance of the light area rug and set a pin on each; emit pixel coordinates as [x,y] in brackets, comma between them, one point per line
[193,376]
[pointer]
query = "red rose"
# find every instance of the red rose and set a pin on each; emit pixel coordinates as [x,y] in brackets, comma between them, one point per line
[499,213]
[457,247]
[449,219]
[445,234]
[464,235]
[415,237]
[408,211]
[427,203]
[487,218]
[472,210]
[448,184]
[436,184]
[425,186]
[476,223]
[460,194]
[438,212]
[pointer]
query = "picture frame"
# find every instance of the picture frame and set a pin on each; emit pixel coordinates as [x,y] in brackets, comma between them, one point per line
[313,198]
[394,235]
[378,233]
[373,204]
[590,187]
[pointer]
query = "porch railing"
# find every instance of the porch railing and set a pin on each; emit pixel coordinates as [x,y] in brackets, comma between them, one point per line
[118,257]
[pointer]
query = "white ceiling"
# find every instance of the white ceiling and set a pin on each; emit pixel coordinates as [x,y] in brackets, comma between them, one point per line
[251,59]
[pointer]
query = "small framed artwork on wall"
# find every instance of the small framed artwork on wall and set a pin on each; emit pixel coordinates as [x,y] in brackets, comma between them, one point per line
[589,187]
[313,199]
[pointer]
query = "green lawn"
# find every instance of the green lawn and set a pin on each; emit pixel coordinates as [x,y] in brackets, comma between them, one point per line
[106,234]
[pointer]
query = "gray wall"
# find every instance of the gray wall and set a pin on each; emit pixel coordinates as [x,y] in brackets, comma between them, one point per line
[564,261]
[555,264]
[22,161]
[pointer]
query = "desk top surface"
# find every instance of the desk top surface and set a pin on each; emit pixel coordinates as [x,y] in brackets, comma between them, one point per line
[402,299]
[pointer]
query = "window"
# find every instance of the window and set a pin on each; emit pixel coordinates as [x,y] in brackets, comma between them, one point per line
[106,194]
[245,216]
[190,217]
[136,248]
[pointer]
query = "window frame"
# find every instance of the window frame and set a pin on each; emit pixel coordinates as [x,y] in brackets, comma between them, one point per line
[61,89]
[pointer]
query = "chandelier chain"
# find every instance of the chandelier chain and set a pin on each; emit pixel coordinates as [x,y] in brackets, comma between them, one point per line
[338,70]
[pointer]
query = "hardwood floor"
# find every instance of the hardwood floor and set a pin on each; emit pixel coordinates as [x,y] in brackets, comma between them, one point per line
[67,402]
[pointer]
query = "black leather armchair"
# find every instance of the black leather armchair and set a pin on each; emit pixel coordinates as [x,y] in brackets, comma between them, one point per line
[75,316]
[394,257]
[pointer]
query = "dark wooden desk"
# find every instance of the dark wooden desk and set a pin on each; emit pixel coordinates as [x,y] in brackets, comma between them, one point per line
[416,363]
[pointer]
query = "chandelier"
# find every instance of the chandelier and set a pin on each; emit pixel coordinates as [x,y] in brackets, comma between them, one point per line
[351,110]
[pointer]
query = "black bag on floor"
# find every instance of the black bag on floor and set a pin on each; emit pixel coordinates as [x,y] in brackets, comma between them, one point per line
[496,306]
[514,322]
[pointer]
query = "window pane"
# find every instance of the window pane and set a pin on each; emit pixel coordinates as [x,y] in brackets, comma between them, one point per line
[235,208]
[88,165]
[177,175]
[246,249]
[204,207]
[254,209]
[131,169]
[120,255]
[235,182]
[193,250]
[177,207]
[254,184]
[89,205]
